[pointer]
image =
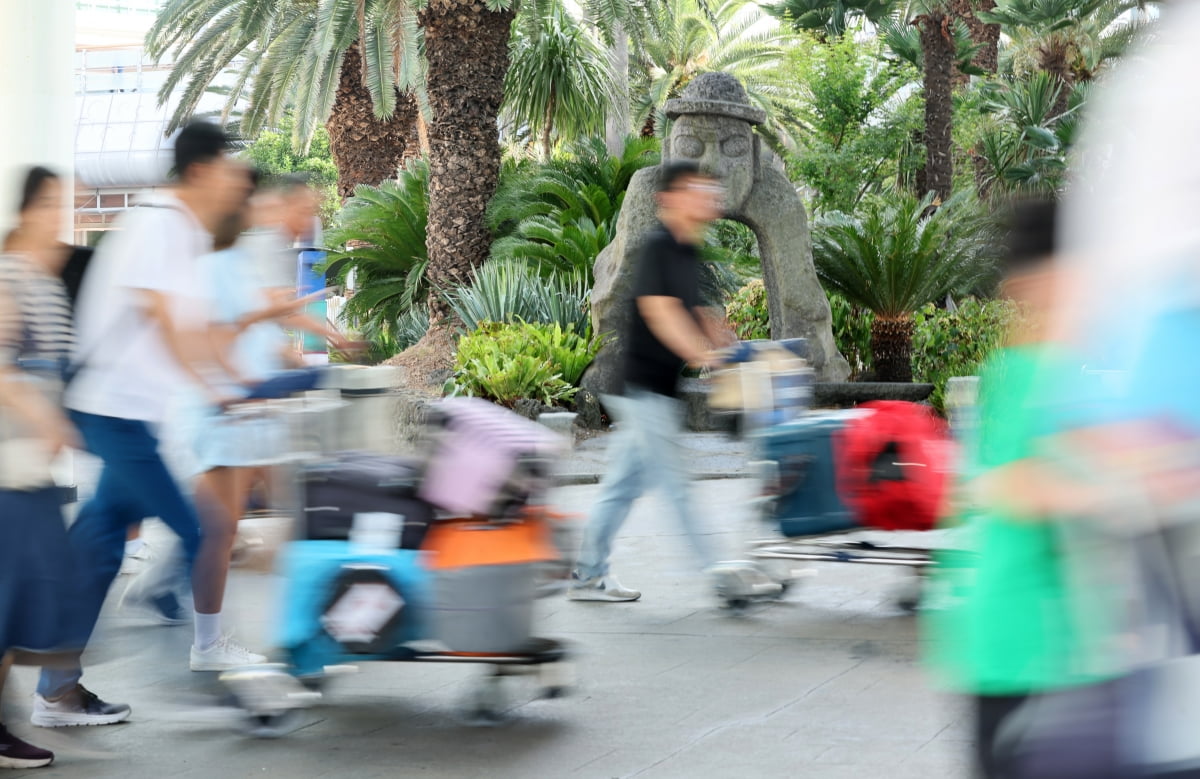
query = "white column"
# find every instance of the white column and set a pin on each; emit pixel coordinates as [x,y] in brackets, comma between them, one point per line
[37,95]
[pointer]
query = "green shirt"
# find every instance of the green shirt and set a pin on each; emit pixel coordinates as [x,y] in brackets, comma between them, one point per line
[1012,623]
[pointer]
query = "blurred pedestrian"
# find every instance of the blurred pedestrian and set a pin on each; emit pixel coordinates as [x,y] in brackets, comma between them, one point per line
[669,331]
[142,328]
[37,577]
[1024,626]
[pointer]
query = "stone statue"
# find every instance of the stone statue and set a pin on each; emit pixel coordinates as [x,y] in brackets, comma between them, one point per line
[714,126]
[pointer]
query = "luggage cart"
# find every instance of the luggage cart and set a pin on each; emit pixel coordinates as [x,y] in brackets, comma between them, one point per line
[799,517]
[354,594]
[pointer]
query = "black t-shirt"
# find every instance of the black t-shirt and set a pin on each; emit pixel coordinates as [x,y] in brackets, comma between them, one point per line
[666,268]
[73,271]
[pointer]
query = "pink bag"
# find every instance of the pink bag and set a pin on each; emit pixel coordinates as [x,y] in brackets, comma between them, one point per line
[485,460]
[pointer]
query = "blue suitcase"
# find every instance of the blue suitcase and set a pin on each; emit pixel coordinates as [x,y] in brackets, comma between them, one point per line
[807,500]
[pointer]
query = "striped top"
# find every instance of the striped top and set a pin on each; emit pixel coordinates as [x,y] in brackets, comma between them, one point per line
[39,326]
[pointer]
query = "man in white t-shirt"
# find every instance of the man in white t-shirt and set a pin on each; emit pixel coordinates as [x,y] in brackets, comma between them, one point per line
[142,333]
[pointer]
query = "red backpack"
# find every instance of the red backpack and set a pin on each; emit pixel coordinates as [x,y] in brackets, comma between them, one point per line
[894,465]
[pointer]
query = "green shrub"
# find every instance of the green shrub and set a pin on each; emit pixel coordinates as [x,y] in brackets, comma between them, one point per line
[508,362]
[747,312]
[514,291]
[955,343]
[852,333]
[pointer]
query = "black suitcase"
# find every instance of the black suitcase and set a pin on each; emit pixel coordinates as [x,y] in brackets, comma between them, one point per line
[359,482]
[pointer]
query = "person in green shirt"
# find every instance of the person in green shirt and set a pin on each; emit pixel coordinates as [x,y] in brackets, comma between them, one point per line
[1018,623]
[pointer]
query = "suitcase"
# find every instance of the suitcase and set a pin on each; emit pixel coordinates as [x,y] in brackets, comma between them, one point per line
[344,602]
[484,460]
[484,582]
[807,499]
[345,497]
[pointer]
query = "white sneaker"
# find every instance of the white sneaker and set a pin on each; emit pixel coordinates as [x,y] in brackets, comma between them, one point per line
[601,588]
[224,655]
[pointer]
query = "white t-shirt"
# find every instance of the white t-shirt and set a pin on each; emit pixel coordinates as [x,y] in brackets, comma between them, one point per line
[127,370]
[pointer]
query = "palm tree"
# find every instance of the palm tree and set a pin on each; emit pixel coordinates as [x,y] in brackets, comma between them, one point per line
[831,18]
[1024,150]
[940,45]
[380,237]
[984,35]
[899,255]
[1069,39]
[558,83]
[734,36]
[352,62]
[466,43]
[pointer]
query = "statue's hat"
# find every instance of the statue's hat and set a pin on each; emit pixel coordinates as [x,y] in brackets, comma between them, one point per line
[718,94]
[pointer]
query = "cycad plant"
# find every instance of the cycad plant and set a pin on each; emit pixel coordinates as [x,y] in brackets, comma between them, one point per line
[559,216]
[380,238]
[899,254]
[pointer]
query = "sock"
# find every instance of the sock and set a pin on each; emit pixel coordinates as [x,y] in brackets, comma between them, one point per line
[134,546]
[208,629]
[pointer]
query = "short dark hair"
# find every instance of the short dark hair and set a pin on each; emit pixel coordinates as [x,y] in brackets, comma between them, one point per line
[1032,234]
[197,143]
[671,173]
[291,183]
[35,178]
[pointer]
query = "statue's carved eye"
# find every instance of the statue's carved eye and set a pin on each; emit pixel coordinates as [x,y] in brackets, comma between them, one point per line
[688,146]
[735,146]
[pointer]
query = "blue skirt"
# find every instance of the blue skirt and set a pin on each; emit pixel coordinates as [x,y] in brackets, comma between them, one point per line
[39,582]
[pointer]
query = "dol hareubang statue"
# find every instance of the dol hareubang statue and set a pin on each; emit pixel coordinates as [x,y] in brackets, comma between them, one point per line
[714,125]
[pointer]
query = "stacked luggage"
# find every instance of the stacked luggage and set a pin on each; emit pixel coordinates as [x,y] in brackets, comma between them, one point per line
[884,465]
[429,558]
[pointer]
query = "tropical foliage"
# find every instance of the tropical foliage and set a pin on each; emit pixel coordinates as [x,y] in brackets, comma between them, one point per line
[511,362]
[896,256]
[380,239]
[949,343]
[513,291]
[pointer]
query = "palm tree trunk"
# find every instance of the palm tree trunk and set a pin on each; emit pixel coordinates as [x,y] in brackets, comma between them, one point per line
[986,36]
[616,124]
[467,49]
[368,150]
[1053,59]
[548,127]
[937,43]
[891,347]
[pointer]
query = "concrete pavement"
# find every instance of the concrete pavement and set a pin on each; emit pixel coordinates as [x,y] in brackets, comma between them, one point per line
[825,684]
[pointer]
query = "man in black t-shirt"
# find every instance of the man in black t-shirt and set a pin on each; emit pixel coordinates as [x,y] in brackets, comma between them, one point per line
[669,331]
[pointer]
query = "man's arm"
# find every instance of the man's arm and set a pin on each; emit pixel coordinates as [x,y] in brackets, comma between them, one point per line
[715,326]
[671,324]
[190,350]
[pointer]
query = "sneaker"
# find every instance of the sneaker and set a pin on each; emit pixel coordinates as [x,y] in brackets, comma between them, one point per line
[136,561]
[224,655]
[163,608]
[604,588]
[78,707]
[15,753]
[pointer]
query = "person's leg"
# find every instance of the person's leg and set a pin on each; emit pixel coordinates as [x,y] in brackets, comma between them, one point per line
[15,753]
[221,495]
[621,486]
[97,541]
[659,425]
[990,713]
[218,493]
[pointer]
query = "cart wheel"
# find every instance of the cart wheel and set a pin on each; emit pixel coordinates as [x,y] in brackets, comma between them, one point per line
[485,707]
[272,725]
[909,599]
[738,606]
[556,679]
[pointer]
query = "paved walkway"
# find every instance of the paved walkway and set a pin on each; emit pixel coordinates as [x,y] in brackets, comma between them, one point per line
[826,684]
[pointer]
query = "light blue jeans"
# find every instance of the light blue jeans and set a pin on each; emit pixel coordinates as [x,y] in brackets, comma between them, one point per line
[645,452]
